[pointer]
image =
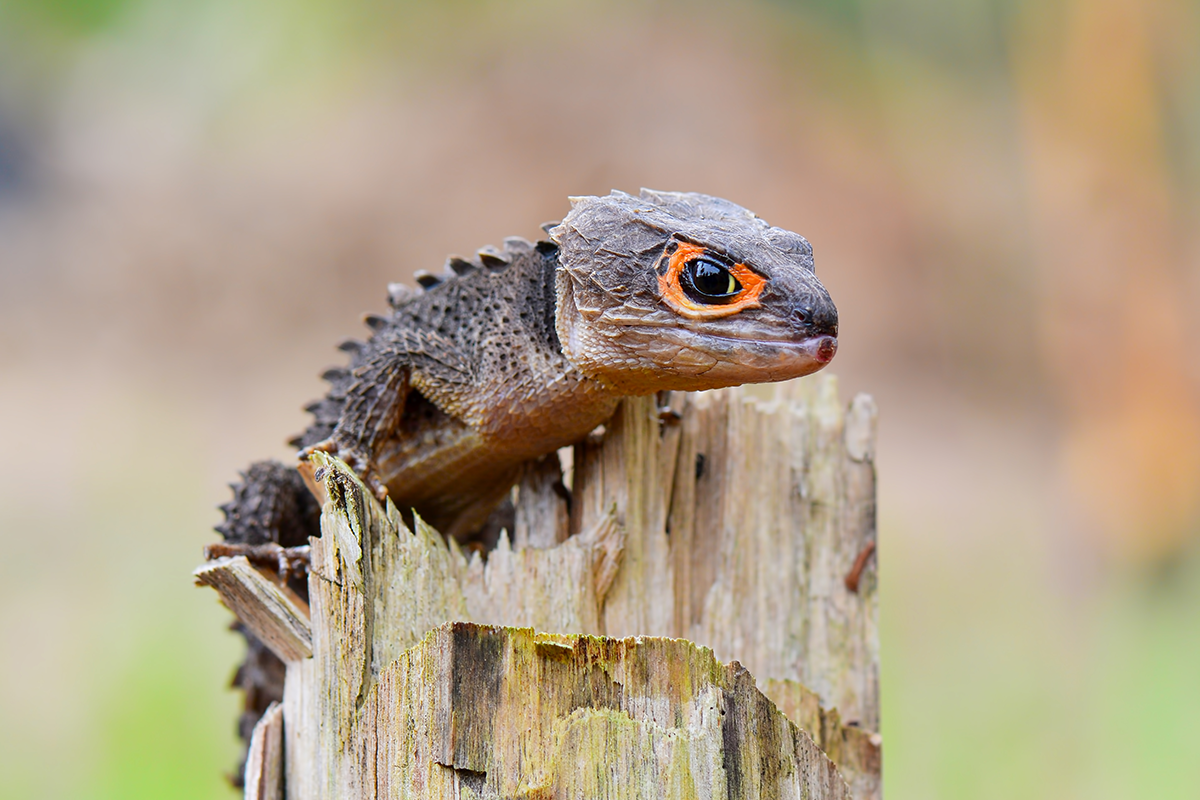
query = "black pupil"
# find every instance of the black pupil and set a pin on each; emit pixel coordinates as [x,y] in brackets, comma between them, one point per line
[708,282]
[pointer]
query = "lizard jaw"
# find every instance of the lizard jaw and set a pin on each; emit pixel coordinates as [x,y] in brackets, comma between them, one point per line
[642,360]
[737,360]
[820,349]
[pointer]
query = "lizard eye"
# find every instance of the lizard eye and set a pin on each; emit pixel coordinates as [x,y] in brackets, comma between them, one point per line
[708,282]
[697,284]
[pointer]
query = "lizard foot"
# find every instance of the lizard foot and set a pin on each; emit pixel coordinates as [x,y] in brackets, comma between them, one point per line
[286,562]
[356,459]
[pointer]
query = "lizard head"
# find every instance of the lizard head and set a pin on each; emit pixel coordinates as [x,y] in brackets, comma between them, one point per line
[671,290]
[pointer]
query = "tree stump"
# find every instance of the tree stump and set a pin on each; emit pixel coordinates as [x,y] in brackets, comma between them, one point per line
[741,521]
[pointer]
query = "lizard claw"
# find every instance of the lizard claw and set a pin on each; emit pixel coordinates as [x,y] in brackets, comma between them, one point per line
[356,459]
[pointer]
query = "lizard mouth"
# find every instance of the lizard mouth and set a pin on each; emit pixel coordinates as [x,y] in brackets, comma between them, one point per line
[821,349]
[643,355]
[709,360]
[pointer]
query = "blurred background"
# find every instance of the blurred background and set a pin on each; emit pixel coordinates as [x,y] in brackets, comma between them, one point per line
[198,199]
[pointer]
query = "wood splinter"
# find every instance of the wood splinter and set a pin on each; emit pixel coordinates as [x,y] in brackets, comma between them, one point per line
[860,563]
[270,610]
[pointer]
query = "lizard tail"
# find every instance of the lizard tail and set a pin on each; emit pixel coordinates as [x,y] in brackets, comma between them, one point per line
[270,504]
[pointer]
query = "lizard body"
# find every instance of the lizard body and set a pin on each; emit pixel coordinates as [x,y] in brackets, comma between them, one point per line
[473,384]
[526,349]
[523,350]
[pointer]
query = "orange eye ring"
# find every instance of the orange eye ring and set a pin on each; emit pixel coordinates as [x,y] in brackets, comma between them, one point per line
[673,294]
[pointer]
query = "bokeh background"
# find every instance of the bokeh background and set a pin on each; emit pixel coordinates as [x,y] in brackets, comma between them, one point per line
[198,198]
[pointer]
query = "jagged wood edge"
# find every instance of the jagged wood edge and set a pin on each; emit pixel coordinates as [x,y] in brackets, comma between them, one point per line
[663,714]
[841,741]
[355,515]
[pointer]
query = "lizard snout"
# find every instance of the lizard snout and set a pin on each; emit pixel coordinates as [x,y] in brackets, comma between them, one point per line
[817,318]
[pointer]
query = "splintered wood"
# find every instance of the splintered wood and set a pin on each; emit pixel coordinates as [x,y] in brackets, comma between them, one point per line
[545,671]
[265,606]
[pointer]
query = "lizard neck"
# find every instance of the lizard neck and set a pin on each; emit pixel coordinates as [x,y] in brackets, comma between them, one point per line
[539,400]
[582,346]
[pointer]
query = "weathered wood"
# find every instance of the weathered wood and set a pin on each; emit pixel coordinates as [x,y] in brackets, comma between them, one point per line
[541,511]
[478,711]
[742,525]
[264,757]
[268,608]
[732,522]
[857,752]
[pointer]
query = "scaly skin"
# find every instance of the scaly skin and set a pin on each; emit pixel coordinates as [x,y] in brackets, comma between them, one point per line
[521,351]
[525,350]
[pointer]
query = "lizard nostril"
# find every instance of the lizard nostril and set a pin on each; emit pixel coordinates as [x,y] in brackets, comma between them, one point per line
[815,317]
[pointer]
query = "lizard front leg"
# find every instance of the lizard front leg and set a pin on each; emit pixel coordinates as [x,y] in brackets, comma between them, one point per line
[371,412]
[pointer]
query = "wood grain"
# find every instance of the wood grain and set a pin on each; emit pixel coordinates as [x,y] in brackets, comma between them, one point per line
[730,522]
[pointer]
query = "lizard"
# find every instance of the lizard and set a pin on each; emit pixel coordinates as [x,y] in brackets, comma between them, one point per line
[527,348]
